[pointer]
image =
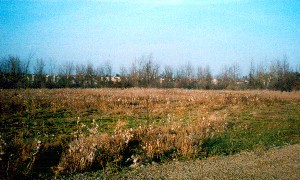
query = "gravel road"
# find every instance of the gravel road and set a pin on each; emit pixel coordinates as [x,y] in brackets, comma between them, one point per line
[277,163]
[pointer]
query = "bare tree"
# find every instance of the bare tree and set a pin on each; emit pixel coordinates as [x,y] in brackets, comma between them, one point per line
[252,75]
[284,75]
[200,77]
[39,71]
[27,63]
[51,78]
[204,77]
[236,72]
[68,68]
[180,77]
[90,75]
[123,72]
[144,72]
[66,71]
[262,77]
[52,67]
[167,75]
[39,67]
[101,76]
[12,72]
[80,70]
[108,73]
[189,71]
[185,76]
[124,77]
[134,75]
[149,71]
[223,78]
[208,77]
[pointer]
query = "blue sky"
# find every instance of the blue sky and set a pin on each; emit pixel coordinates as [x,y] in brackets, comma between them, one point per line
[204,32]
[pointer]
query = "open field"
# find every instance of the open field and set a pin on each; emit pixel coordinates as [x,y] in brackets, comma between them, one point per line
[63,131]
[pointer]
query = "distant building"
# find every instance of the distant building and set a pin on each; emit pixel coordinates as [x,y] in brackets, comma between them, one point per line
[214,81]
[116,79]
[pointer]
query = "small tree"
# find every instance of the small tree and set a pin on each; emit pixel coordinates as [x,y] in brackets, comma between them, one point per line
[223,78]
[134,75]
[189,75]
[252,75]
[12,72]
[167,77]
[208,77]
[204,77]
[39,73]
[90,75]
[108,73]
[124,77]
[66,71]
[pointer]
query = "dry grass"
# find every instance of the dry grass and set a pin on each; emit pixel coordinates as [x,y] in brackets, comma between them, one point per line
[171,141]
[97,128]
[150,103]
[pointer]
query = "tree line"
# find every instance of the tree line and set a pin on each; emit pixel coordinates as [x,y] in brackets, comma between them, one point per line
[16,73]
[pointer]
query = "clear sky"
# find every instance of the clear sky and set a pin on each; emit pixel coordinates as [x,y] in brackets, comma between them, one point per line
[213,32]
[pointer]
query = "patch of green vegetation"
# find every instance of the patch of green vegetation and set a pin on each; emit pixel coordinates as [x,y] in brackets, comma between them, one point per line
[269,128]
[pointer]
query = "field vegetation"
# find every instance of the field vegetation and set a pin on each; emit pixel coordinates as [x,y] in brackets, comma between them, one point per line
[47,133]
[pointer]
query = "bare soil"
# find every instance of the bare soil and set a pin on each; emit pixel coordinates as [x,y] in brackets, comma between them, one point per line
[277,163]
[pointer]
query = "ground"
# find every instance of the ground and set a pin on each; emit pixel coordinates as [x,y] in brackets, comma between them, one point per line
[276,163]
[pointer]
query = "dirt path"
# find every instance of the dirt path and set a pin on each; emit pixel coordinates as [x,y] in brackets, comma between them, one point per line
[278,163]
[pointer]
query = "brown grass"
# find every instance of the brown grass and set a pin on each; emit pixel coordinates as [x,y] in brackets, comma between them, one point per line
[129,125]
[172,141]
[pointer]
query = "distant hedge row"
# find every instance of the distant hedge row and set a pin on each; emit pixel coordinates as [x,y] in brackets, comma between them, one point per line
[144,72]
